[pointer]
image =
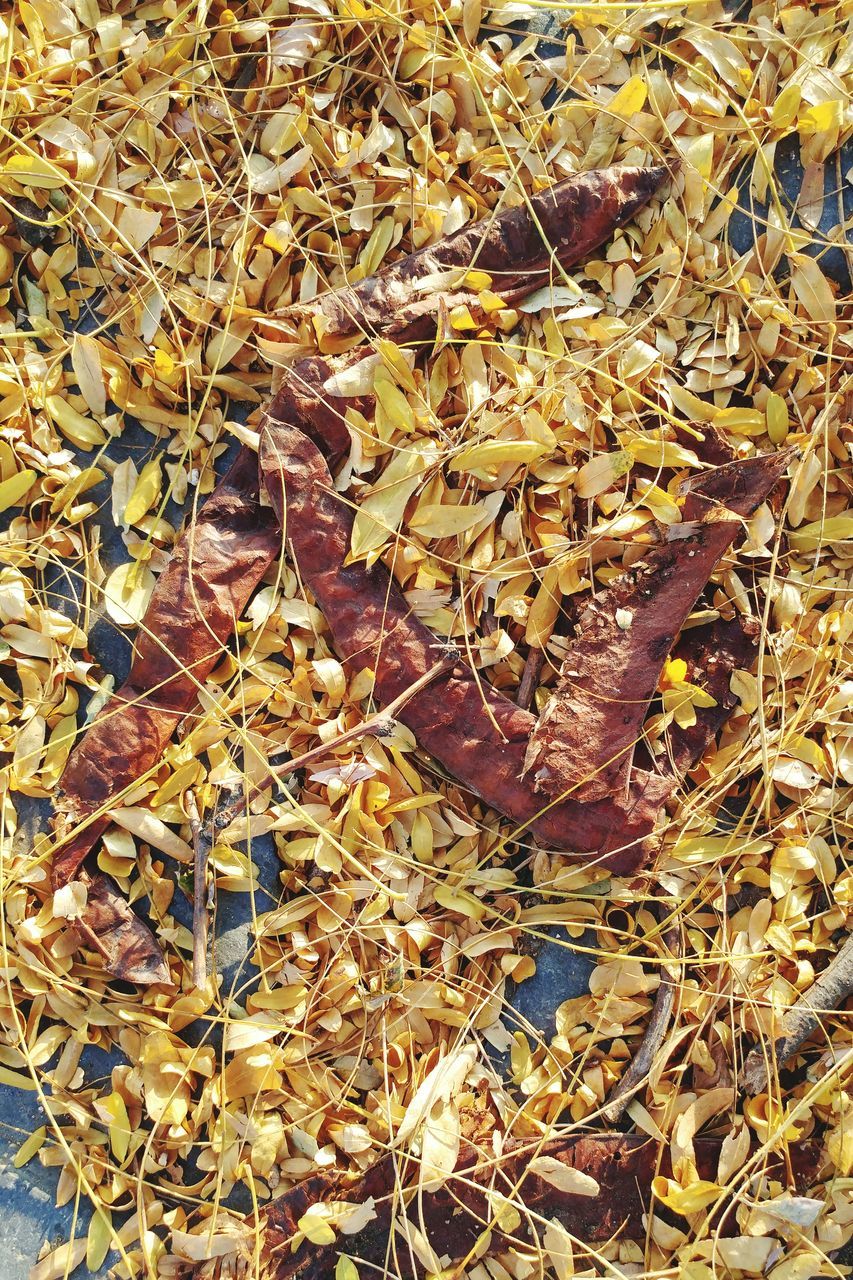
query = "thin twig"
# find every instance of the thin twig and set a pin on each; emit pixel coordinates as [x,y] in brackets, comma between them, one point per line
[530,678]
[643,1060]
[829,990]
[201,847]
[379,723]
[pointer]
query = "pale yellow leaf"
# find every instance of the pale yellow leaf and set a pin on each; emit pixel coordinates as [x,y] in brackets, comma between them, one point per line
[88,370]
[14,489]
[127,593]
[813,290]
[146,492]
[562,1176]
[602,472]
[99,1239]
[381,511]
[434,520]
[60,1262]
[33,170]
[143,824]
[496,453]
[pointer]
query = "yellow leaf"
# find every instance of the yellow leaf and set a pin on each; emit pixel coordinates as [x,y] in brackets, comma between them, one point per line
[184,776]
[460,901]
[13,489]
[28,1149]
[653,450]
[839,1148]
[699,152]
[821,532]
[394,359]
[685,1200]
[279,237]
[821,117]
[777,418]
[34,171]
[704,849]
[461,318]
[545,608]
[433,520]
[381,511]
[127,593]
[146,492]
[86,363]
[630,99]
[154,832]
[813,290]
[119,1124]
[393,403]
[15,1079]
[563,1176]
[99,1239]
[60,1262]
[741,421]
[495,453]
[346,1269]
[315,1227]
[71,490]
[673,673]
[79,429]
[59,745]
[600,473]
[786,106]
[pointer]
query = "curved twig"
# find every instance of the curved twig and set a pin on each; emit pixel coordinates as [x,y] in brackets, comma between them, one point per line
[828,991]
[641,1064]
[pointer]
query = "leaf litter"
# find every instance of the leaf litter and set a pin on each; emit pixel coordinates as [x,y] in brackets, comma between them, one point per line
[195,183]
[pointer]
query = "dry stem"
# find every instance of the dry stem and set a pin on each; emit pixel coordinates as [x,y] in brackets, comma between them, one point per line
[377,723]
[643,1060]
[201,846]
[829,990]
[530,678]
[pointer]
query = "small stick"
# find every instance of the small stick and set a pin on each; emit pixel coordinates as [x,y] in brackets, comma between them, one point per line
[829,990]
[379,723]
[641,1064]
[530,678]
[201,846]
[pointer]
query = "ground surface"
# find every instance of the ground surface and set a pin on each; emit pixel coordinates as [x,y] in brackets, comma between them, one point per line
[29,1215]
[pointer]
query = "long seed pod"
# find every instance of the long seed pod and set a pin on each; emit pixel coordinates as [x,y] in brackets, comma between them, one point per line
[583,743]
[518,250]
[215,567]
[476,733]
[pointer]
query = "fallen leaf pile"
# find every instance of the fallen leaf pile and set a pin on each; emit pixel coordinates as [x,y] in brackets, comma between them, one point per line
[172,181]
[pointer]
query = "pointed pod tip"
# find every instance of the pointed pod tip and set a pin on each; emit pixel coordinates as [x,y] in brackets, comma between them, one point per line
[637,185]
[145,971]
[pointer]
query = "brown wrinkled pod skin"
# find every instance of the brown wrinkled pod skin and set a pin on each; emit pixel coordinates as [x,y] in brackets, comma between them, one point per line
[476,733]
[454,1218]
[215,568]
